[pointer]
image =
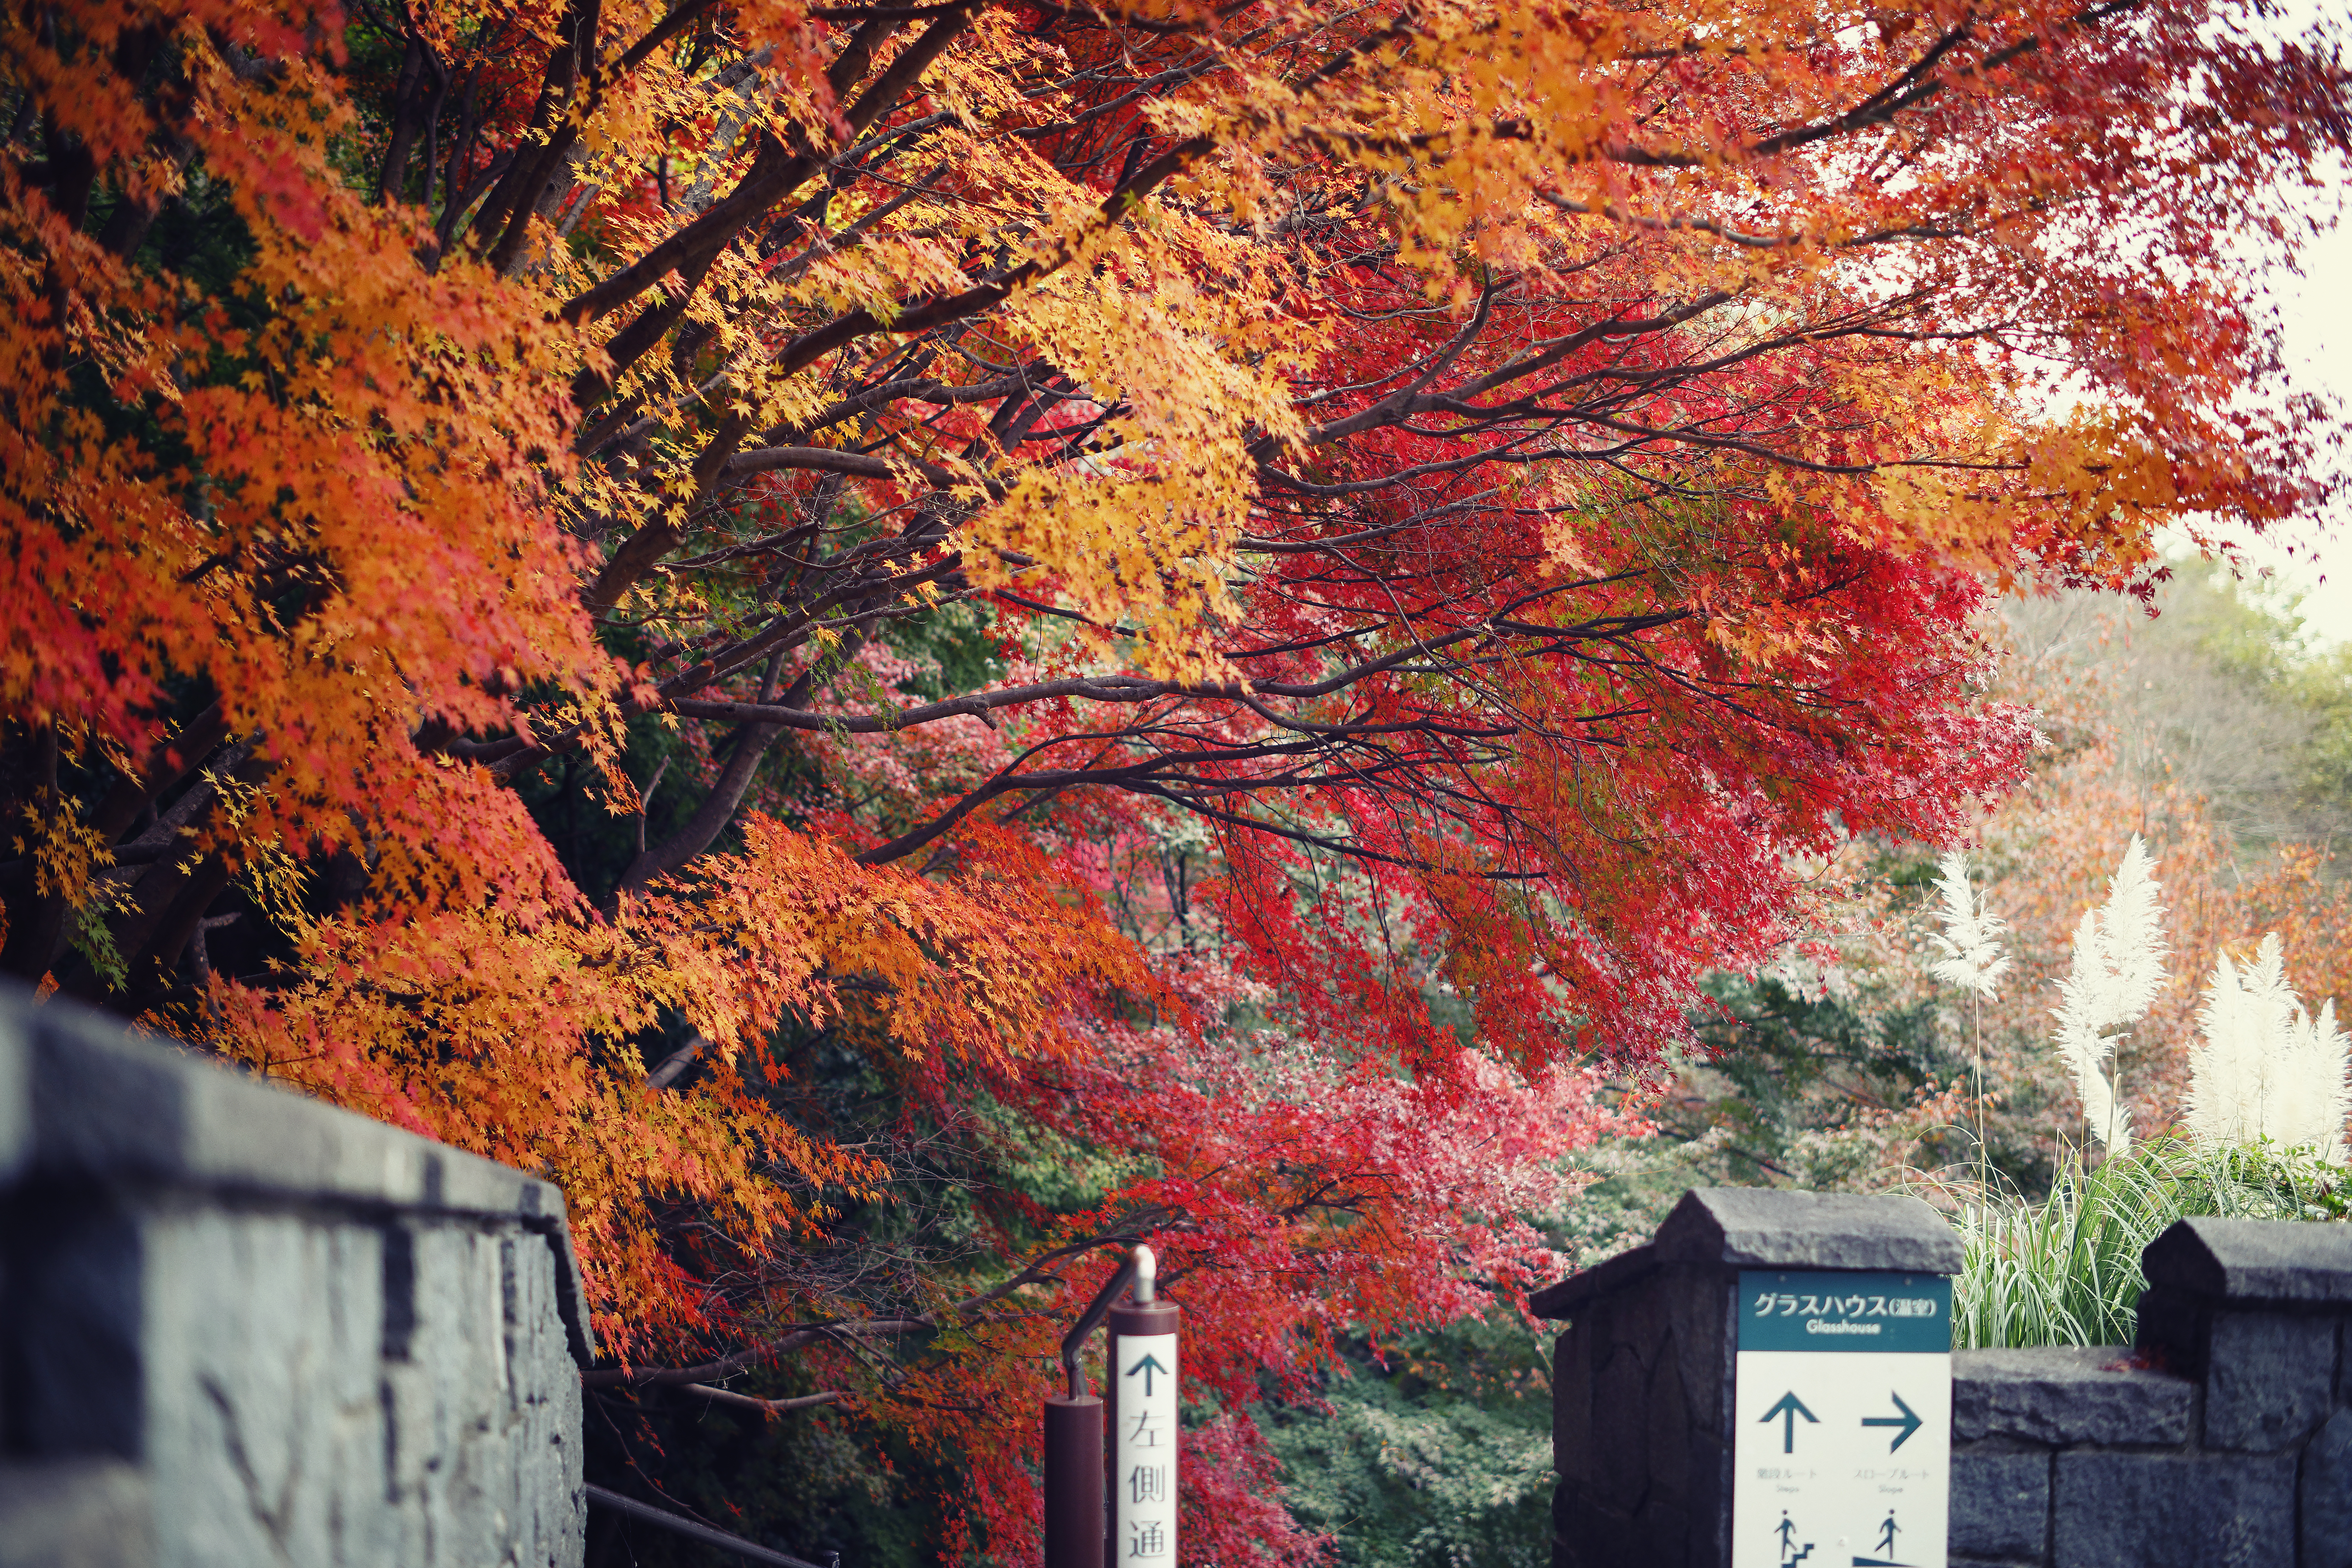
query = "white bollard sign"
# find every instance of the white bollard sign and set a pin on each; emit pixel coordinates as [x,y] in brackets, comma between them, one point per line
[1841,1421]
[1143,1452]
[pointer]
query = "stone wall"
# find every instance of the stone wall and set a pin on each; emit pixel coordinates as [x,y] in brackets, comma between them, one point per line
[241,1328]
[2224,1437]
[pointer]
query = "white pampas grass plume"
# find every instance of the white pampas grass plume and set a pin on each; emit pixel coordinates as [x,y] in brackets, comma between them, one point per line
[1970,939]
[2230,1073]
[2118,967]
[2266,1068]
[2318,1084]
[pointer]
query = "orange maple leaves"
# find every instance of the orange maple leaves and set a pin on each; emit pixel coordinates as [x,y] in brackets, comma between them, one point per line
[518,1038]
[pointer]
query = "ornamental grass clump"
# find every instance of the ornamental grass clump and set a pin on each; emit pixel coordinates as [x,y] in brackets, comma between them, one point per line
[2066,1271]
[2267,1070]
[1973,962]
[2266,1112]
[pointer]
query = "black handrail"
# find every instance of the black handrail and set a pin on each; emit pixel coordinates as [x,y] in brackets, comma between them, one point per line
[696,1529]
[1091,1320]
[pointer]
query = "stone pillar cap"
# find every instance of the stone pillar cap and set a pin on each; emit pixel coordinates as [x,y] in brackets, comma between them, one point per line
[2252,1259]
[1768,1227]
[1771,1227]
[80,1097]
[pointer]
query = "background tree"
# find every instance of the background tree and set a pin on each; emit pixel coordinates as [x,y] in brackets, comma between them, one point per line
[629,586]
[2207,727]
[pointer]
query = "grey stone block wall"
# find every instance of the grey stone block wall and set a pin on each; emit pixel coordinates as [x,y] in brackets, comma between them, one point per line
[2224,1437]
[241,1328]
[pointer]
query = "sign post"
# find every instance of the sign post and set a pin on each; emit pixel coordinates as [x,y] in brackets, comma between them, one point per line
[1842,1420]
[1142,1375]
[1140,1477]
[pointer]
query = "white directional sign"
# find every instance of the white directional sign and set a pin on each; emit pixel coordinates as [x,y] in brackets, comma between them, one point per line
[1144,1450]
[1841,1421]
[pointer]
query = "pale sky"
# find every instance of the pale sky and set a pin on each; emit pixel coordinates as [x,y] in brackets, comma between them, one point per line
[2315,310]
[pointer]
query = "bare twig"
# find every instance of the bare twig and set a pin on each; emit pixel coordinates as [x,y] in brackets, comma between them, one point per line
[771,1406]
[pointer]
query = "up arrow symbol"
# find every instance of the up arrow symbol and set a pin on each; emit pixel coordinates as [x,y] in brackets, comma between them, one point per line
[1147,1366]
[1788,1410]
[1909,1422]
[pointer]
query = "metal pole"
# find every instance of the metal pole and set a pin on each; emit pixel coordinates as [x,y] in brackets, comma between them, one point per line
[1073,1444]
[1074,1481]
[695,1529]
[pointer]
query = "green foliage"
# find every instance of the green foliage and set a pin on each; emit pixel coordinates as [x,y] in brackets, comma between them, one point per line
[1441,1457]
[2065,1271]
[961,649]
[1801,1086]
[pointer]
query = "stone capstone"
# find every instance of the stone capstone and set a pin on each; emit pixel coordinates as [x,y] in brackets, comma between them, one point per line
[1748,1227]
[2252,1260]
[2063,1394]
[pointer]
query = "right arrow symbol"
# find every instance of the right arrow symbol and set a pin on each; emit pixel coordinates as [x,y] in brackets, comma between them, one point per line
[1788,1410]
[1909,1422]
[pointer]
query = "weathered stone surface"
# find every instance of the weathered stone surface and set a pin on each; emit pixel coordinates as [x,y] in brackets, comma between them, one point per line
[2267,1378]
[1571,1406]
[1605,1278]
[74,1514]
[2066,1394]
[2325,1516]
[2252,1260]
[1588,1534]
[2173,1511]
[2001,1505]
[16,1100]
[1704,1316]
[99,1104]
[1620,1465]
[278,1334]
[1669,1434]
[1773,1228]
[69,1349]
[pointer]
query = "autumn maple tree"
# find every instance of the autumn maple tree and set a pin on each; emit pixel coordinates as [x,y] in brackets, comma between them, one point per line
[717,599]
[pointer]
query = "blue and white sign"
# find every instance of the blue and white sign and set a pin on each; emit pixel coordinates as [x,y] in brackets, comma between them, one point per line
[1841,1420]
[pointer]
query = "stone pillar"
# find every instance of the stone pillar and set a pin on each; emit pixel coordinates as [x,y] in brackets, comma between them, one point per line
[2260,1313]
[1641,1382]
[239,1327]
